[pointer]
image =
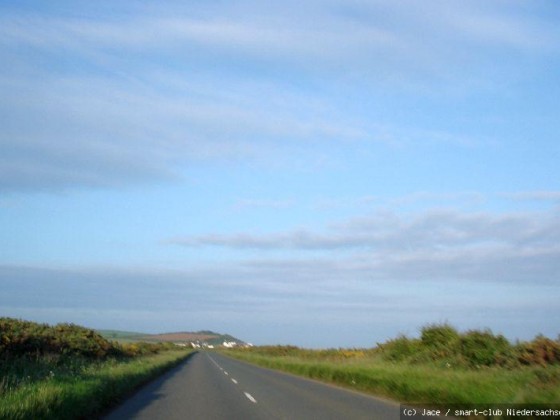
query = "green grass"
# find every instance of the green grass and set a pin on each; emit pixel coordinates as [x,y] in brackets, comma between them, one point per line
[428,383]
[76,387]
[67,371]
[122,336]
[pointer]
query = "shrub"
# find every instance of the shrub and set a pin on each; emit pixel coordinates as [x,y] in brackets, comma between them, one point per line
[24,338]
[73,339]
[400,348]
[541,351]
[439,336]
[442,342]
[483,348]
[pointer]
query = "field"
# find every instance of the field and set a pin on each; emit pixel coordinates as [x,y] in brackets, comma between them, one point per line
[67,371]
[442,367]
[122,336]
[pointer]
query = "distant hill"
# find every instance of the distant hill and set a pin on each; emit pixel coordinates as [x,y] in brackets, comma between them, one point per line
[200,337]
[121,335]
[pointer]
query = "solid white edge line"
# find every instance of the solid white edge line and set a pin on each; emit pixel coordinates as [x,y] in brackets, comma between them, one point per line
[250,397]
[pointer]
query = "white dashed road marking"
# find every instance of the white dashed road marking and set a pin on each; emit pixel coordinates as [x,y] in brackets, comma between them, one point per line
[250,397]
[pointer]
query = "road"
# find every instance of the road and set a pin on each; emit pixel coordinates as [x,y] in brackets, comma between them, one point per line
[211,386]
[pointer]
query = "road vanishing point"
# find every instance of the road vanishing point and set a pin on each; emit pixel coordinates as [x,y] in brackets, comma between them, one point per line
[211,386]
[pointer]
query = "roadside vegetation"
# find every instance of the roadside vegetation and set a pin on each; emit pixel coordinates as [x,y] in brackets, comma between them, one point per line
[67,371]
[442,366]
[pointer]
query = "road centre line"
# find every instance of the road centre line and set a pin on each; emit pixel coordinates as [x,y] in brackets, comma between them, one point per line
[213,361]
[250,397]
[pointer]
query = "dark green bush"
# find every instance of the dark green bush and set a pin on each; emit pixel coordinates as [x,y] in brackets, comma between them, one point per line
[18,338]
[400,348]
[73,339]
[439,336]
[474,348]
[29,339]
[483,348]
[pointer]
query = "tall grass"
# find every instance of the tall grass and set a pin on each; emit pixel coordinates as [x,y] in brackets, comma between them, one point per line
[69,372]
[83,391]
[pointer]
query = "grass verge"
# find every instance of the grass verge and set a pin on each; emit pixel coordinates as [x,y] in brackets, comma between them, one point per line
[78,388]
[67,371]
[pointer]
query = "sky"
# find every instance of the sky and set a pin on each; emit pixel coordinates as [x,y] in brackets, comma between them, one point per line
[322,173]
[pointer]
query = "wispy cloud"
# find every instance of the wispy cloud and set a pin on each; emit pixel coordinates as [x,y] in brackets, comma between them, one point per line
[447,246]
[552,196]
[287,33]
[432,230]
[91,102]
[124,134]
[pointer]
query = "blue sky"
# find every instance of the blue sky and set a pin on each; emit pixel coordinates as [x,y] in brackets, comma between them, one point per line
[320,173]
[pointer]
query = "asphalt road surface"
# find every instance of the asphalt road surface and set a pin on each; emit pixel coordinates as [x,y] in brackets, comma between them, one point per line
[211,386]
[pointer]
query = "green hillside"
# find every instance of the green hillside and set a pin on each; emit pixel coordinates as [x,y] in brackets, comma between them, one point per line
[123,336]
[205,336]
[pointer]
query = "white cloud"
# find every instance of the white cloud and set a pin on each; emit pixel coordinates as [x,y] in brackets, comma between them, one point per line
[94,102]
[391,41]
[438,245]
[436,229]
[96,132]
